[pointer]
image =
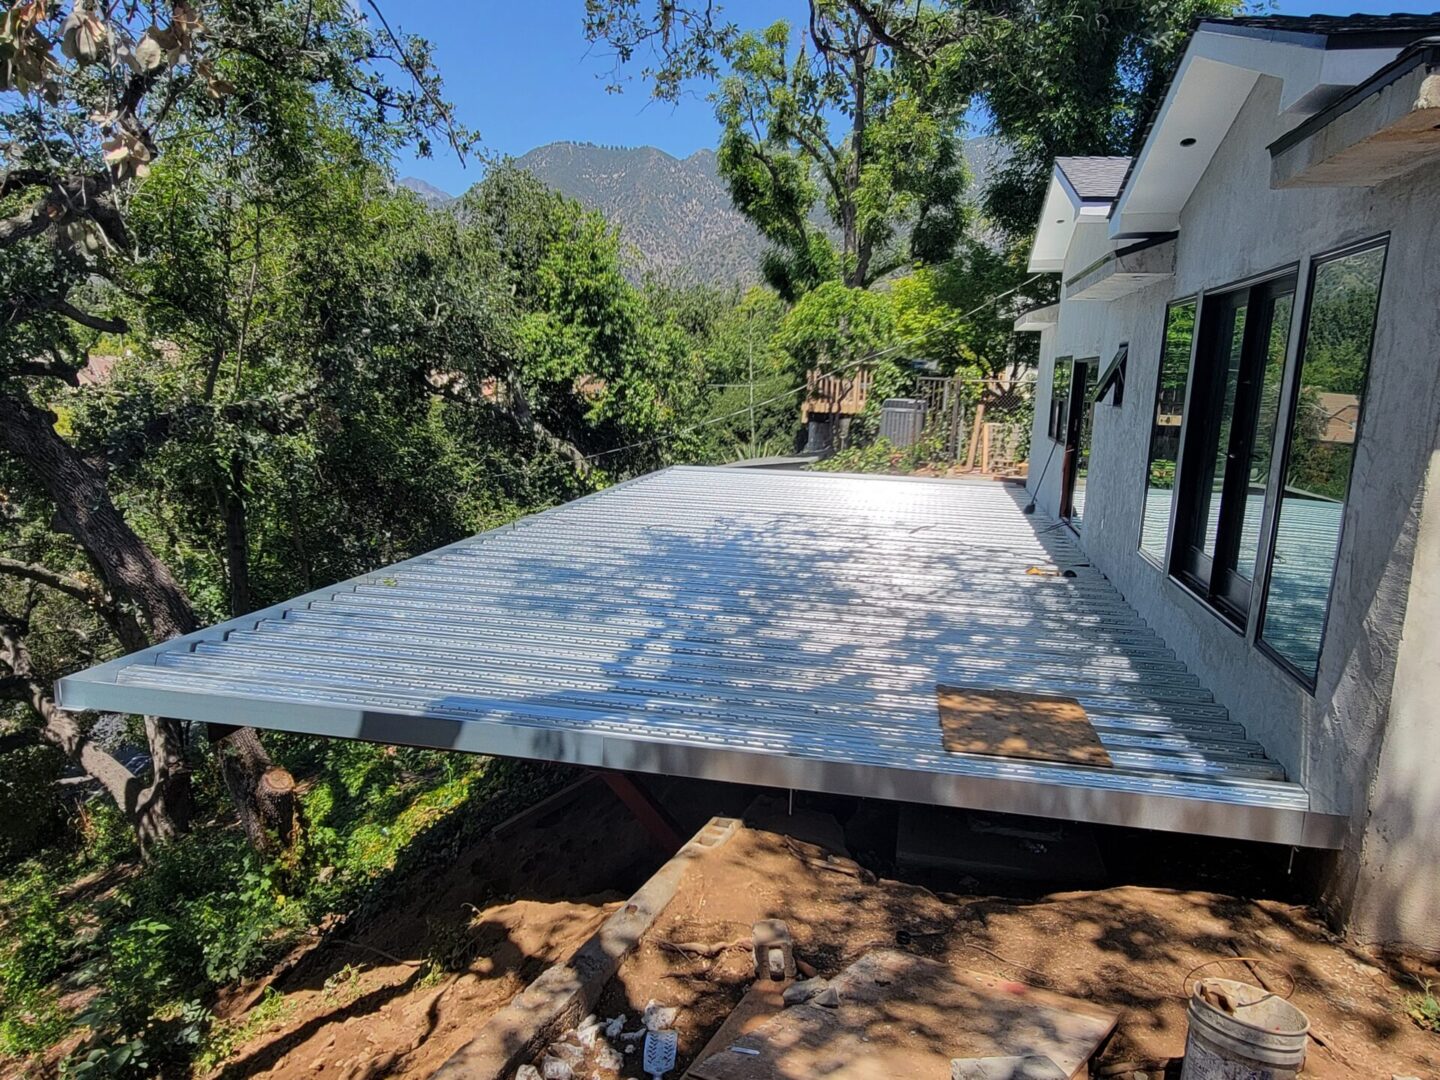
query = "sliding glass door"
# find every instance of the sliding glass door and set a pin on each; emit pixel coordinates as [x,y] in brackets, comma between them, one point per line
[1239,367]
[1079,416]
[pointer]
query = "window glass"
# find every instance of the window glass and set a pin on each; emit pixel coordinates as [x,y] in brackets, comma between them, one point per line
[1060,398]
[1165,432]
[1218,452]
[1334,362]
[1084,411]
[1262,446]
[1230,431]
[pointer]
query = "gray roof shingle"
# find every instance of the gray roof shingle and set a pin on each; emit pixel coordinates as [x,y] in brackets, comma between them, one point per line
[1362,31]
[1094,177]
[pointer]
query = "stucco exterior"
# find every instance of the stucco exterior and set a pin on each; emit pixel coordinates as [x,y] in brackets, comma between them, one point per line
[1366,741]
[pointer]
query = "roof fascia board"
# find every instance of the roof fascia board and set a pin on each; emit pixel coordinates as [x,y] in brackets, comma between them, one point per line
[1052,237]
[1219,70]
[1385,129]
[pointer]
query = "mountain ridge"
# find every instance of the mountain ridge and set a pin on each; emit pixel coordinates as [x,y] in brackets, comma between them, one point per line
[675,215]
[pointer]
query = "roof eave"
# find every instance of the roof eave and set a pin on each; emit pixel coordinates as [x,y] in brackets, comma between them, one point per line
[1221,65]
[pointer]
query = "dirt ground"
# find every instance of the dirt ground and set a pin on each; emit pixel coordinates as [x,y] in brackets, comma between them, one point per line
[1128,949]
[365,1008]
[403,992]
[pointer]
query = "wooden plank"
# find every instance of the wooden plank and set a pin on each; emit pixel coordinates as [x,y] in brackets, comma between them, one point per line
[1008,723]
[902,1015]
[764,1000]
[564,993]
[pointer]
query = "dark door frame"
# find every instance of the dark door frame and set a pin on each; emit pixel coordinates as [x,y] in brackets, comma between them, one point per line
[1216,578]
[1080,374]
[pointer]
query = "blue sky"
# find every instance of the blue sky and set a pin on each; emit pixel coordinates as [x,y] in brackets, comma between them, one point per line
[522,74]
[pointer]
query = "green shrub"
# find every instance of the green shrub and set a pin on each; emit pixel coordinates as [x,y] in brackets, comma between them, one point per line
[31,813]
[36,943]
[883,456]
[1423,1008]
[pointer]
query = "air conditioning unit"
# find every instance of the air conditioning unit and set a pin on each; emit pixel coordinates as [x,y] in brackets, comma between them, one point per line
[902,420]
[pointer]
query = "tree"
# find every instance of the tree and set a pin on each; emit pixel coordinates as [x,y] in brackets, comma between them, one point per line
[590,368]
[1057,77]
[837,122]
[94,116]
[1054,77]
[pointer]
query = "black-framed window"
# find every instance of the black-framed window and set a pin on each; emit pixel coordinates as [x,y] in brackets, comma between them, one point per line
[1165,427]
[1234,406]
[1079,426]
[1059,419]
[1331,374]
[1112,379]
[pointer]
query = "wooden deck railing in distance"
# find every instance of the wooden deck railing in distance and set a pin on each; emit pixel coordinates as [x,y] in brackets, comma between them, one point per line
[836,395]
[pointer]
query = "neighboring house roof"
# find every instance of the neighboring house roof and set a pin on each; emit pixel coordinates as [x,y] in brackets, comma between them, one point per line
[1081,188]
[97,370]
[1318,59]
[1094,177]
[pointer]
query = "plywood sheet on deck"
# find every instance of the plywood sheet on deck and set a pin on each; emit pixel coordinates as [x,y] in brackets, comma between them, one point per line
[1009,723]
[902,1015]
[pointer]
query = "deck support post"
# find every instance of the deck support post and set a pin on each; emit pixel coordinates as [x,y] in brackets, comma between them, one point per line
[651,816]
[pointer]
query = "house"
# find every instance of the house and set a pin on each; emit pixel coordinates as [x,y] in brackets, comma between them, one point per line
[1238,414]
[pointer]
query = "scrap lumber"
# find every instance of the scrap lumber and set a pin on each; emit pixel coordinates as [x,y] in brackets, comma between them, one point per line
[904,1015]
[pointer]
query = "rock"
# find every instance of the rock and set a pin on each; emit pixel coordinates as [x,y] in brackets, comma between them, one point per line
[658,1017]
[589,1034]
[607,1057]
[567,1052]
[555,1069]
[829,997]
[615,1027]
[528,1072]
[804,990]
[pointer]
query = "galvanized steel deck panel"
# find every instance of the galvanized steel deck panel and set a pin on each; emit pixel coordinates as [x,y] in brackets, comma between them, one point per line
[774,628]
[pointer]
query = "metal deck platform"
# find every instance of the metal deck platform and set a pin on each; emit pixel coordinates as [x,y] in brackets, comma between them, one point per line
[773,628]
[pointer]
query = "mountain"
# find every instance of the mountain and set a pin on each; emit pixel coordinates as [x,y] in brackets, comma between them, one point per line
[429,194]
[674,214]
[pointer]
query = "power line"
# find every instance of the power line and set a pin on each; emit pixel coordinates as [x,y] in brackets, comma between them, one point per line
[877,354]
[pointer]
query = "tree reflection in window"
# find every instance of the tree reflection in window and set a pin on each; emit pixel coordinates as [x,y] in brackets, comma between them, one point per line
[1334,362]
[1165,432]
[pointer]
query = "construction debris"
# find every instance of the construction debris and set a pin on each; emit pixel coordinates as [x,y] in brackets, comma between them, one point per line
[1006,1068]
[803,991]
[658,1017]
[894,1014]
[773,950]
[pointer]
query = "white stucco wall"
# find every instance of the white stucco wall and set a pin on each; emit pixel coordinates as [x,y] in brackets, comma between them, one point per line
[1233,227]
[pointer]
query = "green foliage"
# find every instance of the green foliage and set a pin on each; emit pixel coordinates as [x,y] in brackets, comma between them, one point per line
[205,912]
[835,328]
[845,128]
[1066,77]
[883,456]
[1423,1008]
[37,939]
[31,814]
[227,1036]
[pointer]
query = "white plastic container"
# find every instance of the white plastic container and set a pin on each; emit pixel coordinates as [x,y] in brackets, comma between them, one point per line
[1265,1038]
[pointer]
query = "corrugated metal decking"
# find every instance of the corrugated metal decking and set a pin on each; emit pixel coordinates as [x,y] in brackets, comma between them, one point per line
[774,628]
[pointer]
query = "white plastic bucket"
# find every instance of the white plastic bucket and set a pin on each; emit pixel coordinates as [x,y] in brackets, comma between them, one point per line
[1265,1038]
